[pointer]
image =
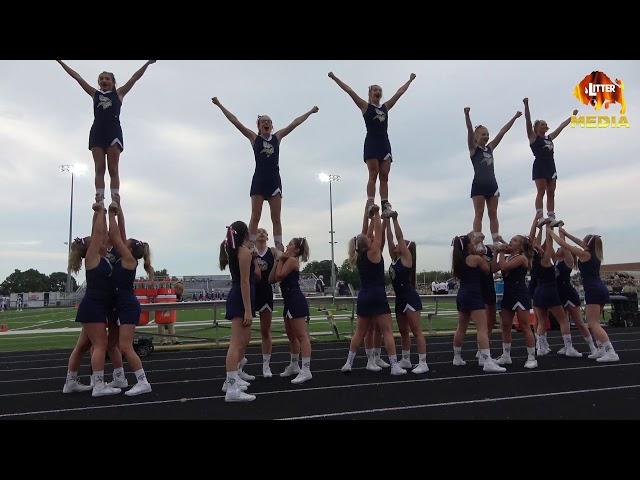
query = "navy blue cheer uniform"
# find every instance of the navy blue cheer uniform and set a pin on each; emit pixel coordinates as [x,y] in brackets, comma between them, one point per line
[235,305]
[295,303]
[568,295]
[127,305]
[372,297]
[516,293]
[470,292]
[376,143]
[406,296]
[98,298]
[544,166]
[266,178]
[106,129]
[484,178]
[546,293]
[488,286]
[595,292]
[264,291]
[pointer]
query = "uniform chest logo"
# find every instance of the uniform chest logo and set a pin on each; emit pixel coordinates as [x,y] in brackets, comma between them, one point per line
[267,148]
[487,158]
[105,102]
[380,115]
[548,144]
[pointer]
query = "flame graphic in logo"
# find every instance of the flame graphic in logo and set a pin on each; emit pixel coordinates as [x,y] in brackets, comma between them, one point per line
[597,89]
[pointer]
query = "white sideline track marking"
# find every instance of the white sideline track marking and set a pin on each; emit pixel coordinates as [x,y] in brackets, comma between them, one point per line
[339,387]
[219,379]
[462,402]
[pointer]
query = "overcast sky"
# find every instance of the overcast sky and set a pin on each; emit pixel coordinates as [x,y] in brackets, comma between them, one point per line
[186,171]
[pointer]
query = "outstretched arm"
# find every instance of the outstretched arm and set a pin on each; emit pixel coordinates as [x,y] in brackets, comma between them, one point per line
[365,221]
[362,104]
[280,134]
[390,237]
[577,251]
[123,231]
[376,243]
[123,90]
[392,101]
[99,228]
[534,226]
[527,116]
[402,245]
[116,239]
[76,76]
[562,126]
[496,140]
[575,240]
[471,141]
[250,134]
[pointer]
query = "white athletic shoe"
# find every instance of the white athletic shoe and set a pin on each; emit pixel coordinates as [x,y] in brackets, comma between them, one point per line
[101,391]
[119,383]
[543,350]
[387,211]
[346,368]
[556,223]
[236,395]
[458,361]
[610,356]
[225,387]
[292,369]
[492,366]
[422,367]
[266,371]
[504,359]
[73,386]
[245,376]
[138,389]
[531,363]
[572,352]
[303,376]
[405,363]
[380,362]
[396,370]
[597,354]
[543,221]
[562,351]
[372,367]
[478,354]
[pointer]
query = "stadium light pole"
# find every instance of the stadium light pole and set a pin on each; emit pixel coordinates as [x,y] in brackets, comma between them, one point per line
[330,178]
[75,169]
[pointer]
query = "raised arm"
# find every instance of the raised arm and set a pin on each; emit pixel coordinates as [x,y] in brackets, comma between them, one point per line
[280,134]
[250,134]
[577,251]
[123,90]
[392,101]
[378,232]
[575,240]
[547,256]
[527,116]
[123,231]
[534,226]
[116,239]
[562,126]
[362,104]
[76,76]
[565,252]
[402,245]
[99,228]
[496,140]
[390,237]
[471,141]
[272,273]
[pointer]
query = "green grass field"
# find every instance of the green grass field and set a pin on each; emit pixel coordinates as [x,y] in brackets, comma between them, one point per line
[190,323]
